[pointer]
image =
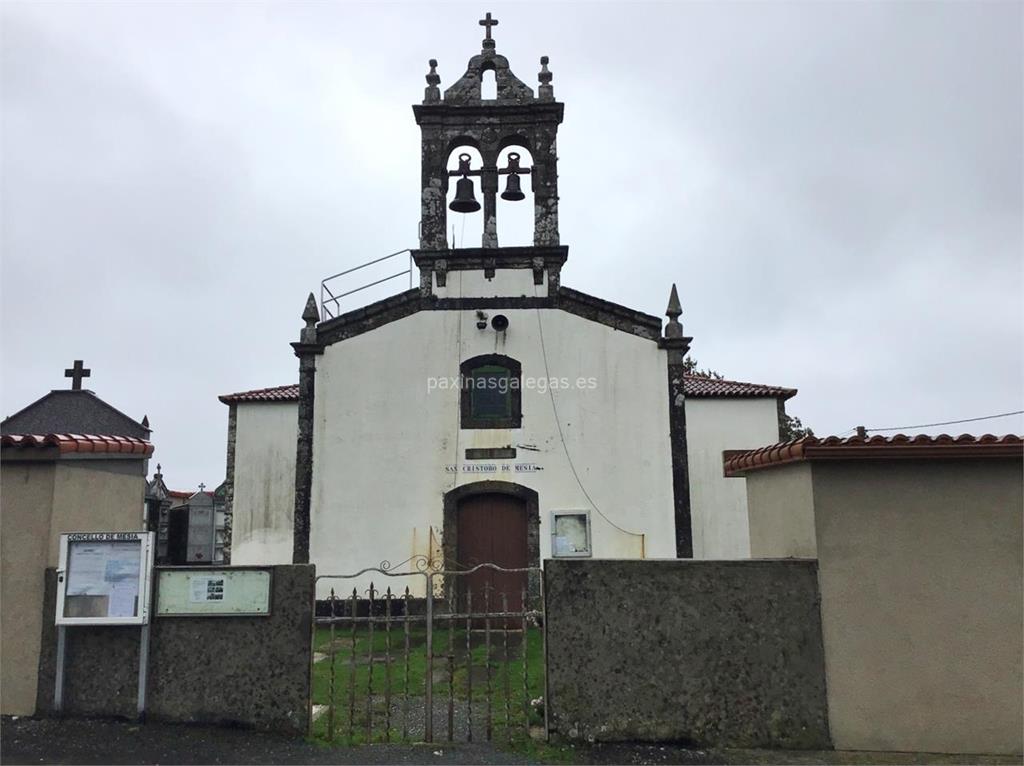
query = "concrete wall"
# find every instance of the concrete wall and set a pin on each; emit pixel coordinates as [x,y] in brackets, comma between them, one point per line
[252,671]
[781,512]
[39,501]
[26,497]
[921,574]
[724,653]
[264,491]
[96,495]
[376,494]
[920,571]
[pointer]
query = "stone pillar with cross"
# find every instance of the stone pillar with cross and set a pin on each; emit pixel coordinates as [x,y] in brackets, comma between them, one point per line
[77,372]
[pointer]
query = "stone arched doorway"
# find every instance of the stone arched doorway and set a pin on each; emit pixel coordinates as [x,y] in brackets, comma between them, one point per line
[493,522]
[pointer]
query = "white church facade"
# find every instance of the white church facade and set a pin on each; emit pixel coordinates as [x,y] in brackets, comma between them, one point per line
[491,414]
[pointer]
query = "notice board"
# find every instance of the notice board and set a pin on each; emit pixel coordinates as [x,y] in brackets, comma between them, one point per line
[103,578]
[204,591]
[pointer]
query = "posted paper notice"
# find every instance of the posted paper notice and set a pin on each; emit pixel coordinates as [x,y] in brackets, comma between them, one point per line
[203,588]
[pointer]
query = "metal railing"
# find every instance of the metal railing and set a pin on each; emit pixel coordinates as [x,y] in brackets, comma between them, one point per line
[329,302]
[377,659]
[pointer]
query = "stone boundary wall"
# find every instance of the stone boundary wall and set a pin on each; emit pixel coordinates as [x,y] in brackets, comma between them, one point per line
[249,671]
[715,653]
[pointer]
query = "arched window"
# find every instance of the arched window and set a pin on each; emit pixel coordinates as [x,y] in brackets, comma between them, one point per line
[491,395]
[488,85]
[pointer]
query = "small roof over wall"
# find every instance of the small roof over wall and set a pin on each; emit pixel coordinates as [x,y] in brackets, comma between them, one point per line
[288,393]
[699,387]
[72,445]
[739,463]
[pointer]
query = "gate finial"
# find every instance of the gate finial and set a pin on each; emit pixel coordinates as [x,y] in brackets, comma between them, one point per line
[310,314]
[673,329]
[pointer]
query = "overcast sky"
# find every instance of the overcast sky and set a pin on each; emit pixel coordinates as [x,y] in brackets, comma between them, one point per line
[835,187]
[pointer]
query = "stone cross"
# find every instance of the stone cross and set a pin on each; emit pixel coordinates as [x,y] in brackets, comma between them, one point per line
[201,486]
[76,374]
[487,22]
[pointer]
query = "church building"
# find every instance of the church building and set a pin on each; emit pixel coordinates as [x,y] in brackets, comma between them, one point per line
[491,413]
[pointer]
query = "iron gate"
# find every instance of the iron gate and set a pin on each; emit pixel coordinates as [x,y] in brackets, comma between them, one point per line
[456,663]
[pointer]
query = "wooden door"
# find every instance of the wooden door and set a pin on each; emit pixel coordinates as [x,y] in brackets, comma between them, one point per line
[492,529]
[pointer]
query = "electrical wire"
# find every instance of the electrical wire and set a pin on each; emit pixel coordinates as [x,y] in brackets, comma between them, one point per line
[561,435]
[947,423]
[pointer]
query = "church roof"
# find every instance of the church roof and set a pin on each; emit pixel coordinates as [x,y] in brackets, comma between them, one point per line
[387,310]
[694,386]
[81,443]
[874,447]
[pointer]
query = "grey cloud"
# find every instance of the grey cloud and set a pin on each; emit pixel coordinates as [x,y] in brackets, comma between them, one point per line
[836,187]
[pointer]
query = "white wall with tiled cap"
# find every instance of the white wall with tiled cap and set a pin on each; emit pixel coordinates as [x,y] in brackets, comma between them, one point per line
[264,491]
[718,505]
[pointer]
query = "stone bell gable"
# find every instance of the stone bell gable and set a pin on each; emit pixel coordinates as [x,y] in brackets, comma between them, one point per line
[516,118]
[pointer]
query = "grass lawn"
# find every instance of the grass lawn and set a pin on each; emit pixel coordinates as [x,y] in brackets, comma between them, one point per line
[460,674]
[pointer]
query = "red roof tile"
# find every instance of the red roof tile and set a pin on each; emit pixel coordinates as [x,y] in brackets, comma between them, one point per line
[185,494]
[288,393]
[699,387]
[67,443]
[694,386]
[874,448]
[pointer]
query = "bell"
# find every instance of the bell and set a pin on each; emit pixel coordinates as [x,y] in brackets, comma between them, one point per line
[465,200]
[513,192]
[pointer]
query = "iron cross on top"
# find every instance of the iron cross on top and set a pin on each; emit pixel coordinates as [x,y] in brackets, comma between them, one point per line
[76,374]
[487,22]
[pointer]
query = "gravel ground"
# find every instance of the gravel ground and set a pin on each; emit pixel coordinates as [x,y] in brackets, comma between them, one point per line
[414,723]
[77,741]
